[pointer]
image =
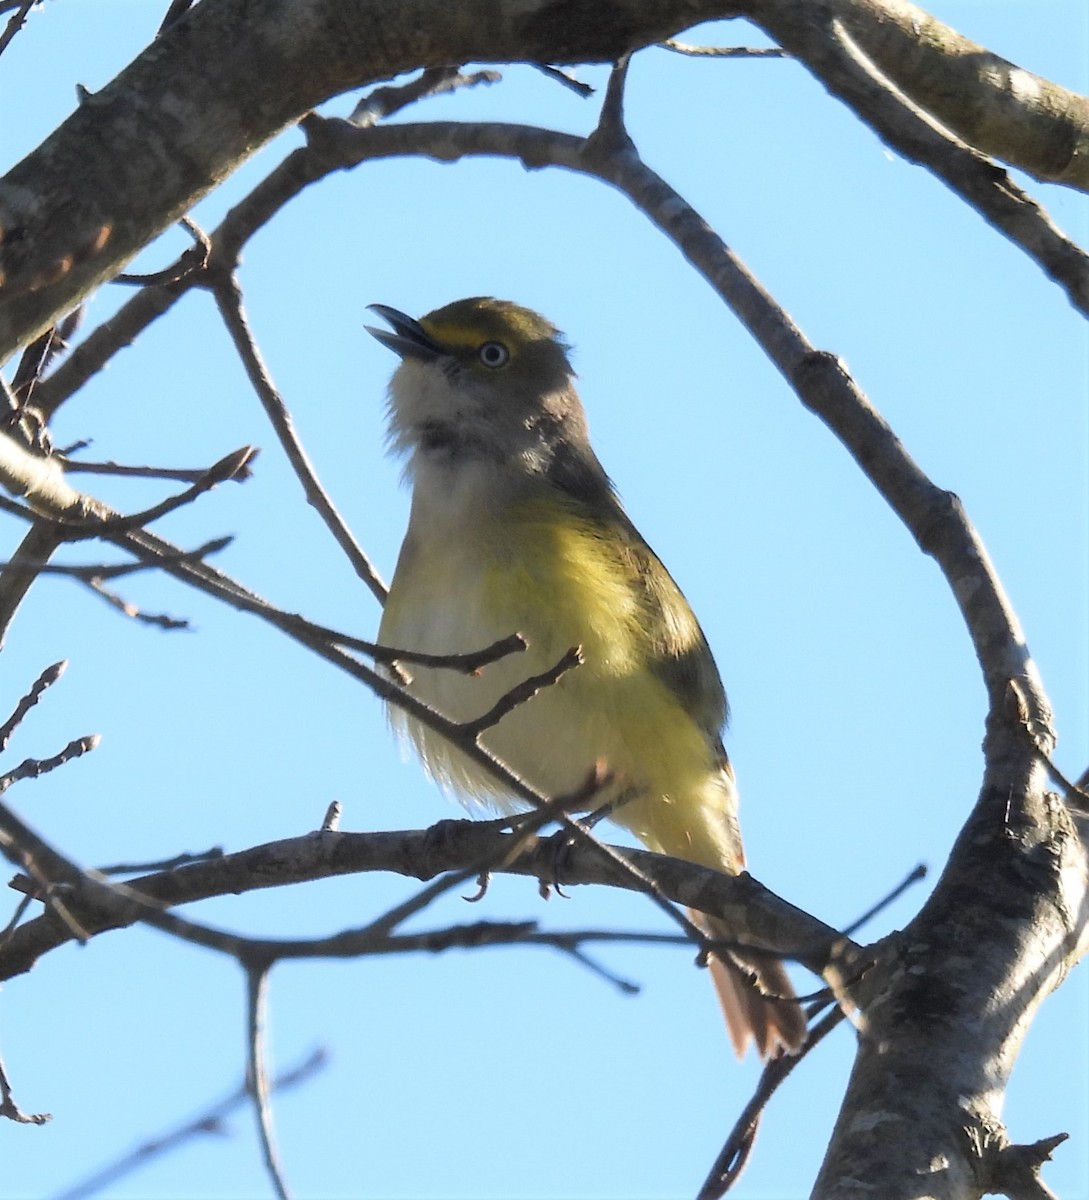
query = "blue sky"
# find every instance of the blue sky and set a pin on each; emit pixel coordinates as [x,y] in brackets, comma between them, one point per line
[857,703]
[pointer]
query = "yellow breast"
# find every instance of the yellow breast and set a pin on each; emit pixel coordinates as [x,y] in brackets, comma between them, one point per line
[542,571]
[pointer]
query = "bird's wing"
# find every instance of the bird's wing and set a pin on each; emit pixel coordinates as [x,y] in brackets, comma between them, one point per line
[681,657]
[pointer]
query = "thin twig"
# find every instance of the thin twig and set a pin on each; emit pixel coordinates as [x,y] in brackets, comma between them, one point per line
[228,296]
[625,986]
[134,613]
[257,1075]
[235,465]
[15,23]
[84,527]
[39,354]
[190,263]
[45,680]
[211,1121]
[166,864]
[96,571]
[31,363]
[32,768]
[177,474]
[30,854]
[521,693]
[20,911]
[914,876]
[734,1154]
[566,79]
[469,663]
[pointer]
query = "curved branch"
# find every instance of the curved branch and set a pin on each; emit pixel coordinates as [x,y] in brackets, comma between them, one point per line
[994,105]
[814,34]
[958,943]
[933,516]
[221,82]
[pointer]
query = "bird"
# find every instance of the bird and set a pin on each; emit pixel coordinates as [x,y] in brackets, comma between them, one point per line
[516,527]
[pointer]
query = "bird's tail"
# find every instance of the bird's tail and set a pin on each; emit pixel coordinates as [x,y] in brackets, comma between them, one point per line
[756,996]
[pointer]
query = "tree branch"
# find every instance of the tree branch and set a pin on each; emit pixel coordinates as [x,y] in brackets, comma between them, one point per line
[451,846]
[992,104]
[222,84]
[210,1121]
[814,34]
[228,294]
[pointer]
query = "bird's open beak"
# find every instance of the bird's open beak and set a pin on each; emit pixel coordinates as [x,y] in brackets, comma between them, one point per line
[409,339]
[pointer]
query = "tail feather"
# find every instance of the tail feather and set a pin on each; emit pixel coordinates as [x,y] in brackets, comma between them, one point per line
[756,996]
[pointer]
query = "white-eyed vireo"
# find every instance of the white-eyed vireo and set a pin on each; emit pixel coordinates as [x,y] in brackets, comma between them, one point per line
[515,527]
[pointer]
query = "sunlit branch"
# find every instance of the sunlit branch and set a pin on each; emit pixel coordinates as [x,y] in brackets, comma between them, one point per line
[257,1079]
[820,40]
[10,1110]
[452,846]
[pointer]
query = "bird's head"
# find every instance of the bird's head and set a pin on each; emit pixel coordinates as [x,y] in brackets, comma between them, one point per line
[484,381]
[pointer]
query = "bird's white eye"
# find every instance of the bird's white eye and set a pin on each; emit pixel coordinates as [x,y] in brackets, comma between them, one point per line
[493,354]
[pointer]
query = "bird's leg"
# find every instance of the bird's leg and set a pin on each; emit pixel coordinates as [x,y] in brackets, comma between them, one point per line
[565,838]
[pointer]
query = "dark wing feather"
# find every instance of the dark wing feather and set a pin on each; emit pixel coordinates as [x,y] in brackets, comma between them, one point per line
[682,659]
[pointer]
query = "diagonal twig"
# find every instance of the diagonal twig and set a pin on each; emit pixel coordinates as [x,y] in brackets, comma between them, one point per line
[127,609]
[522,692]
[735,1152]
[228,296]
[33,768]
[210,1121]
[15,23]
[45,680]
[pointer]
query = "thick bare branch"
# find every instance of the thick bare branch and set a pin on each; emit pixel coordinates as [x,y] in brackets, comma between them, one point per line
[450,846]
[992,104]
[814,34]
[216,86]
